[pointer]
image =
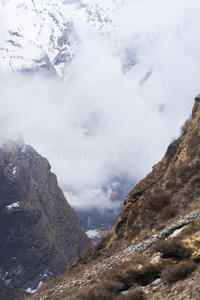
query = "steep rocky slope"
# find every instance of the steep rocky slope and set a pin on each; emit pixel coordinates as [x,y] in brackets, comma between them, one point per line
[103,278]
[39,231]
[172,189]
[154,252]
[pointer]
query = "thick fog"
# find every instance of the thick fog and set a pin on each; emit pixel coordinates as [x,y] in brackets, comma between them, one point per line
[125,100]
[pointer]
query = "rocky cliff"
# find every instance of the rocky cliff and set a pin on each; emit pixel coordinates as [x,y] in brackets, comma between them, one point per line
[172,188]
[39,231]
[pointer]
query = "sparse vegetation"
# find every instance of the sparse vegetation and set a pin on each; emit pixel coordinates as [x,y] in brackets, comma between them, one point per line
[173,248]
[193,143]
[134,294]
[190,229]
[168,212]
[105,237]
[173,148]
[173,273]
[112,290]
[156,200]
[104,243]
[185,126]
[137,271]
[172,184]
[185,171]
[105,290]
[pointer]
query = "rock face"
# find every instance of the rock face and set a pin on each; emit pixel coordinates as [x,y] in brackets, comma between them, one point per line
[39,231]
[172,189]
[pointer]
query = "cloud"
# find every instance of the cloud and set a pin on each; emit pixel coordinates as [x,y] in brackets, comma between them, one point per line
[2,25]
[105,121]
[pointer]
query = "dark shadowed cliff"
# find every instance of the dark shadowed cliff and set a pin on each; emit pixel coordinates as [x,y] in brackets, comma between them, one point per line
[39,231]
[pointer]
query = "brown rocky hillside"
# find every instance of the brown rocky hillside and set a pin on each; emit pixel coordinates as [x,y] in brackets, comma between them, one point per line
[154,252]
[172,189]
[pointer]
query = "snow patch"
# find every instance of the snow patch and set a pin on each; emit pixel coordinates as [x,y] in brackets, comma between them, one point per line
[14,171]
[30,291]
[93,233]
[155,258]
[14,205]
[24,149]
[155,282]
[176,232]
[47,273]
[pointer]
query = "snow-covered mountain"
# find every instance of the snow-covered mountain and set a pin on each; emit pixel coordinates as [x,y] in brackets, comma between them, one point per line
[37,36]
[41,35]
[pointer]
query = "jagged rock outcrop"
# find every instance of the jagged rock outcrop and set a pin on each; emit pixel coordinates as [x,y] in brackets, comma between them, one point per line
[39,231]
[172,188]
